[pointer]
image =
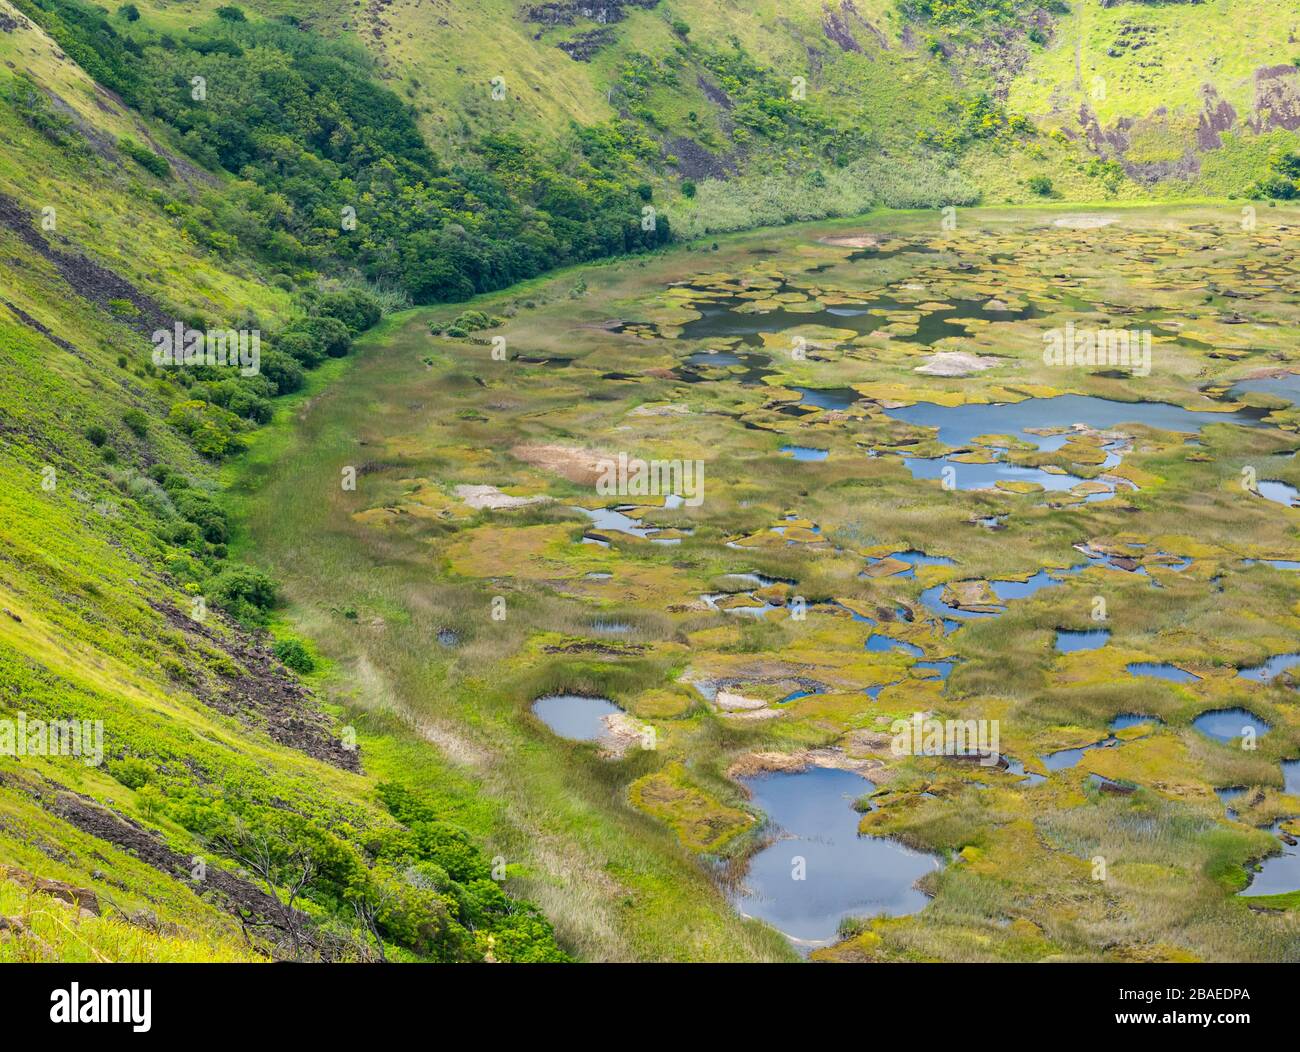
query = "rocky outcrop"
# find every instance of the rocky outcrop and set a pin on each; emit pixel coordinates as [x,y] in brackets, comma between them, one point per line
[567,12]
[1277,99]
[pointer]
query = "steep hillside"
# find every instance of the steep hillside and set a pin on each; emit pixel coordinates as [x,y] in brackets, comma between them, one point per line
[169,788]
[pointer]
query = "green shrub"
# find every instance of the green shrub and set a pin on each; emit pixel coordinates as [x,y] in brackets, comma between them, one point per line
[295,655]
[136,422]
[356,309]
[215,432]
[131,771]
[145,158]
[247,593]
[473,321]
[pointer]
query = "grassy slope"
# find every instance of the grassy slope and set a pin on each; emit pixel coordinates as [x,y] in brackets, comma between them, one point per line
[1219,42]
[80,569]
[442,56]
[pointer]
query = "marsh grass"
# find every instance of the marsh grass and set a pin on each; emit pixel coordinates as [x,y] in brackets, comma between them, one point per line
[617,882]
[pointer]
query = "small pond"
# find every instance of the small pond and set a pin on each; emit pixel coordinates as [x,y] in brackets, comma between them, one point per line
[1227,725]
[844,874]
[575,716]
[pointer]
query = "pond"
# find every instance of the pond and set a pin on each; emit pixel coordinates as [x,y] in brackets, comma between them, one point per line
[932,598]
[1069,641]
[806,452]
[881,644]
[1130,719]
[943,668]
[1278,492]
[960,425]
[1277,874]
[1063,759]
[914,558]
[1227,725]
[1160,670]
[575,716]
[748,369]
[720,317]
[1271,668]
[1287,386]
[827,397]
[843,874]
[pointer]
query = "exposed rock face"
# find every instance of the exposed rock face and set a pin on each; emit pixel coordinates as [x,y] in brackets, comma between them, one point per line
[582,47]
[566,12]
[835,24]
[694,161]
[1276,106]
[1277,99]
[87,278]
[1217,116]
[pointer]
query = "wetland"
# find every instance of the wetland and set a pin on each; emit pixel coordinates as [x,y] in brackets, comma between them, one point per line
[906,510]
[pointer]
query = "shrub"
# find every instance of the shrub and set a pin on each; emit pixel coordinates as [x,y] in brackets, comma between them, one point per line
[205,513]
[328,336]
[136,422]
[213,431]
[145,158]
[283,372]
[295,655]
[131,771]
[356,309]
[1040,184]
[96,435]
[245,592]
[301,346]
[472,321]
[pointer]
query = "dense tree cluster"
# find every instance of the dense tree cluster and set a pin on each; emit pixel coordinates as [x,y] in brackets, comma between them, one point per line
[332,171]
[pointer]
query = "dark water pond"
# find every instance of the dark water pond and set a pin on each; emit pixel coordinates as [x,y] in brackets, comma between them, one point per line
[720,318]
[827,397]
[844,874]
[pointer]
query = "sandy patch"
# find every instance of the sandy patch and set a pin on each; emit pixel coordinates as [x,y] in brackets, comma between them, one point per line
[765,762]
[622,732]
[480,497]
[1084,222]
[583,466]
[851,240]
[731,701]
[956,363]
